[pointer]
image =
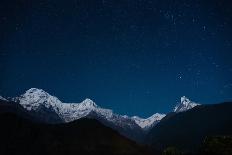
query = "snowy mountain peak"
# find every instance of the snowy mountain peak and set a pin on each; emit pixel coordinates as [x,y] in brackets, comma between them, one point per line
[184,100]
[88,103]
[38,100]
[146,123]
[34,98]
[34,90]
[184,105]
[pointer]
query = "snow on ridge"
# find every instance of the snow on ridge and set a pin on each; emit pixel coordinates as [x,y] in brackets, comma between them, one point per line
[184,105]
[35,98]
[148,122]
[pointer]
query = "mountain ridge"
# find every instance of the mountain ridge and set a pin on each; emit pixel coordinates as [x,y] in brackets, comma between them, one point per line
[49,108]
[34,97]
[184,105]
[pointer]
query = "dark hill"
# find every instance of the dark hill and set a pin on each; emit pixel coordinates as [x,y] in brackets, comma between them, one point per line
[187,130]
[20,135]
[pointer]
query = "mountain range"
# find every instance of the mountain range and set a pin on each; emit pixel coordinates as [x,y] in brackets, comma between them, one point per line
[36,114]
[50,109]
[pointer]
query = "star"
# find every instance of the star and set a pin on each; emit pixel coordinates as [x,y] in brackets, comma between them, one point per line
[204,28]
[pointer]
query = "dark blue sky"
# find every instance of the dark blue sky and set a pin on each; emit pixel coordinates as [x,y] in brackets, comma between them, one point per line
[136,57]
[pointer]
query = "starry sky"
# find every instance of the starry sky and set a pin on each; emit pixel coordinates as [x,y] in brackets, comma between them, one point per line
[136,57]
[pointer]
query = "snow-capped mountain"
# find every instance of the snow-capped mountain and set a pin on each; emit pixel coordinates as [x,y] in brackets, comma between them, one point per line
[34,99]
[38,100]
[52,110]
[147,123]
[185,105]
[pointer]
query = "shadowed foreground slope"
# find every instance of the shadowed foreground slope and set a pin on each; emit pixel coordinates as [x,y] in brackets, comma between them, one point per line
[187,130]
[20,135]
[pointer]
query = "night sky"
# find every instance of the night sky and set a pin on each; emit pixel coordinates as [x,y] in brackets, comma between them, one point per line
[136,57]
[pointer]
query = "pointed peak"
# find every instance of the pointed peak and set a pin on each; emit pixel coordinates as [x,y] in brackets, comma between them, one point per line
[33,98]
[184,105]
[35,93]
[87,100]
[184,100]
[88,103]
